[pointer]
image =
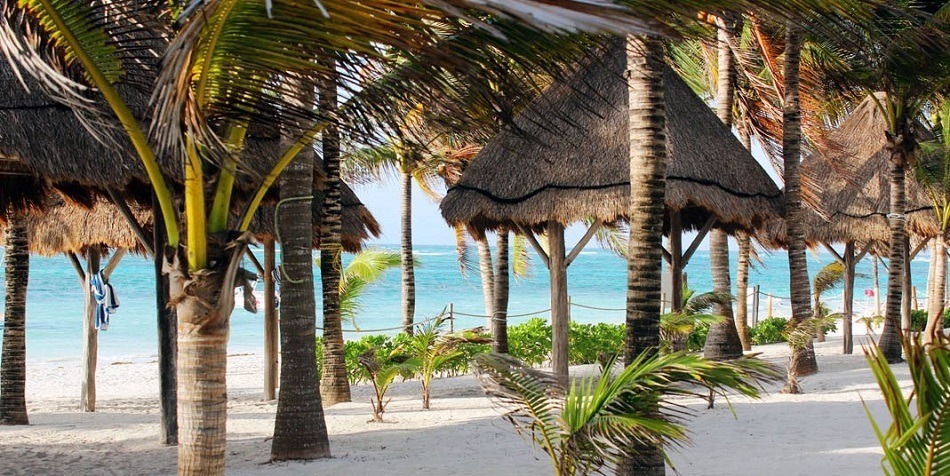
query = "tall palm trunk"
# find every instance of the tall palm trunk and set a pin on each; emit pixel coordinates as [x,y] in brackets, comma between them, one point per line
[203,312]
[13,358]
[408,272]
[723,340]
[900,146]
[485,266]
[90,335]
[300,430]
[938,291]
[647,142]
[803,360]
[334,386]
[499,320]
[742,291]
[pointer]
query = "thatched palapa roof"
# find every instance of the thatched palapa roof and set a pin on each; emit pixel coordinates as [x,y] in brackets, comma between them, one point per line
[570,160]
[852,188]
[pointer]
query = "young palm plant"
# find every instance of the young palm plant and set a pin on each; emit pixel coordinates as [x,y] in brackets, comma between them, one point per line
[592,425]
[827,279]
[676,327]
[382,371]
[918,439]
[430,348]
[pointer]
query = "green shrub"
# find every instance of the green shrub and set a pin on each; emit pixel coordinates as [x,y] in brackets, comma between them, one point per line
[586,341]
[918,320]
[530,341]
[769,331]
[696,341]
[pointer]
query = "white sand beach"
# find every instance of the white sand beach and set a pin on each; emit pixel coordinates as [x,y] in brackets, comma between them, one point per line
[824,431]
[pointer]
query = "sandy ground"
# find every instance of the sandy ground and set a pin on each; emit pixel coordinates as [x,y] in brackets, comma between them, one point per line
[824,431]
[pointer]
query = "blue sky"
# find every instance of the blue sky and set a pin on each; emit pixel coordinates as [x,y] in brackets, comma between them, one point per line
[428,226]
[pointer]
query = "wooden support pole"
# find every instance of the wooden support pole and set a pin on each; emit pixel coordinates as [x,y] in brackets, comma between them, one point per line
[698,240]
[834,253]
[114,261]
[768,314]
[167,325]
[120,203]
[90,336]
[906,288]
[254,261]
[755,306]
[271,322]
[676,264]
[559,306]
[583,242]
[77,265]
[847,313]
[537,246]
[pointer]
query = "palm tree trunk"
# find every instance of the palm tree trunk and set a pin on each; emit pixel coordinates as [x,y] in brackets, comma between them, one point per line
[742,290]
[723,342]
[847,317]
[202,367]
[13,358]
[408,272]
[938,291]
[485,265]
[90,336]
[647,142]
[499,321]
[890,341]
[300,430]
[803,360]
[334,386]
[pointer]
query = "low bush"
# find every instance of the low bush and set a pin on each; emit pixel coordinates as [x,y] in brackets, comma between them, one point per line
[769,331]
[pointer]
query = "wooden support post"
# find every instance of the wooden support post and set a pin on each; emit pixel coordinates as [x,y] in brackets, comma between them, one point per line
[77,266]
[559,305]
[90,336]
[167,335]
[119,201]
[676,264]
[906,289]
[769,310]
[114,261]
[537,246]
[271,323]
[583,242]
[755,306]
[451,318]
[877,288]
[847,313]
[700,236]
[913,295]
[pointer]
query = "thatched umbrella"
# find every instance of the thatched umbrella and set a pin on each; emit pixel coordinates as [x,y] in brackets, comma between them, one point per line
[568,160]
[849,201]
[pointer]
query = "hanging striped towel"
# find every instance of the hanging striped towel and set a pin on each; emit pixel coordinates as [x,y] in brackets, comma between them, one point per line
[107,303]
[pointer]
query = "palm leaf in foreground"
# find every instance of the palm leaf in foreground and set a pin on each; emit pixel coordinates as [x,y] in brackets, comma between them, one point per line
[591,426]
[916,442]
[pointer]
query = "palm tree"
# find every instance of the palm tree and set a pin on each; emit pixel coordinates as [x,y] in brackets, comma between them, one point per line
[723,339]
[13,359]
[499,314]
[916,440]
[592,423]
[803,360]
[826,279]
[676,327]
[648,162]
[906,59]
[300,430]
[933,172]
[365,268]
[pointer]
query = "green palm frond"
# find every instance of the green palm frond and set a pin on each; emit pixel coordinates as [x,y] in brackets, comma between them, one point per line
[918,439]
[370,163]
[828,278]
[614,238]
[600,418]
[520,258]
[704,302]
[367,267]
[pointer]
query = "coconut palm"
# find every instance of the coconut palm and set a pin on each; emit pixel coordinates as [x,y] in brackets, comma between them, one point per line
[917,438]
[299,428]
[13,358]
[933,172]
[592,423]
[905,58]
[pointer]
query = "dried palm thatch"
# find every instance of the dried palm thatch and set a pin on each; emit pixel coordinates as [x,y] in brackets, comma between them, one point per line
[851,188]
[568,160]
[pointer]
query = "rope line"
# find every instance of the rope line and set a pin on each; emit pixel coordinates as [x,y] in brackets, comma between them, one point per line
[596,308]
[399,328]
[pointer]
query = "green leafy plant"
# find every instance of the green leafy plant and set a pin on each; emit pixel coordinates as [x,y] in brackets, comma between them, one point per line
[364,269]
[531,341]
[826,279]
[382,372]
[597,420]
[769,331]
[430,349]
[870,322]
[586,341]
[677,328]
[917,442]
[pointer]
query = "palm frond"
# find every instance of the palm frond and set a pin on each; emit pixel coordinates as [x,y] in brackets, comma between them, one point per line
[828,278]
[702,303]
[520,258]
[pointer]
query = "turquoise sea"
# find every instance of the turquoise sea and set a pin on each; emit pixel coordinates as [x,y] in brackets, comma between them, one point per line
[596,278]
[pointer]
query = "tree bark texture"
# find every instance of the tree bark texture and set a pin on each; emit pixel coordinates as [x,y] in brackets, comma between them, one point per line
[334,386]
[847,313]
[742,291]
[803,360]
[408,270]
[938,291]
[485,266]
[300,430]
[13,357]
[890,341]
[648,162]
[499,324]
[90,336]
